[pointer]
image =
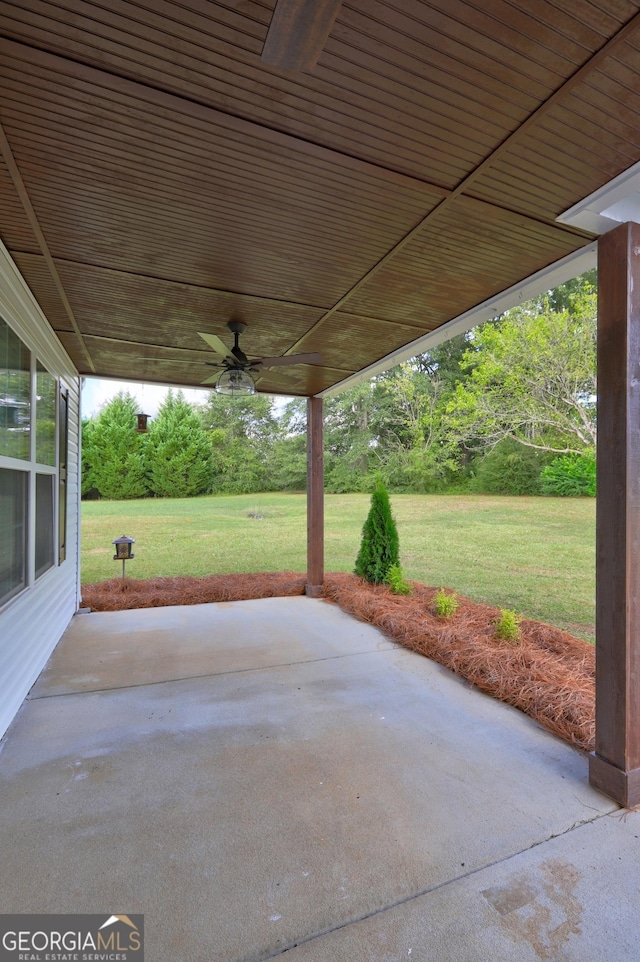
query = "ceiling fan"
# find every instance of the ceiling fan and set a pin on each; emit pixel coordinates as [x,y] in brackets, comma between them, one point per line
[238,369]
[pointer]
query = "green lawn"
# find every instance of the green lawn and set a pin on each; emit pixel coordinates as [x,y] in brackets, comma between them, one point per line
[535,555]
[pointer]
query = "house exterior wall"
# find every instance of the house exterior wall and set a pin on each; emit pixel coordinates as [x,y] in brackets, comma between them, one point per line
[33,620]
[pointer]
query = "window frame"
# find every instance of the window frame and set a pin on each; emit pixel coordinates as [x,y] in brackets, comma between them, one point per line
[58,471]
[19,588]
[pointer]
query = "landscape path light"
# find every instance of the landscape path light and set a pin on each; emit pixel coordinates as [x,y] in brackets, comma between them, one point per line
[123,550]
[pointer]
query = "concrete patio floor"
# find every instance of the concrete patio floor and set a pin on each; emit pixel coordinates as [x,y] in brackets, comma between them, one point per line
[271,777]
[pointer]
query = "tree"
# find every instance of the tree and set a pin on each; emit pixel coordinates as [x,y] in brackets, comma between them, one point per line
[415,449]
[115,456]
[179,456]
[508,468]
[444,360]
[564,297]
[287,457]
[242,432]
[533,379]
[379,549]
[350,439]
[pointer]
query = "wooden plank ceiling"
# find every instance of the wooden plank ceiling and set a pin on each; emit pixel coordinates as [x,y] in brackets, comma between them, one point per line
[344,177]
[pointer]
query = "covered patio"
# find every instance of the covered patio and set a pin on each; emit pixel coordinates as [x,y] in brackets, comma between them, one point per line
[358,181]
[272,777]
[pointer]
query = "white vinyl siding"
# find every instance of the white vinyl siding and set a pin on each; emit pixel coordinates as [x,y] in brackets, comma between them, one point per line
[33,621]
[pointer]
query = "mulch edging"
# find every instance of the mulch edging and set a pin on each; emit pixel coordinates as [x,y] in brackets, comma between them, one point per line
[550,675]
[118,594]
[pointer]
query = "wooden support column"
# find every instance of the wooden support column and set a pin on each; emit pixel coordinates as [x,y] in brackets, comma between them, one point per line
[615,766]
[315,497]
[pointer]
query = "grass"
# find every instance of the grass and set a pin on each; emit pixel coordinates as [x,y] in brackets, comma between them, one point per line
[533,555]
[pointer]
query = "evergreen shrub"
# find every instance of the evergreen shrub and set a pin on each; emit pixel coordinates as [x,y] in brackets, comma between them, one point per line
[379,549]
[114,459]
[445,605]
[570,476]
[178,454]
[398,584]
[507,627]
[509,468]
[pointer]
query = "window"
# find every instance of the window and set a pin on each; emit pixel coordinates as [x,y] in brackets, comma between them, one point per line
[45,416]
[15,396]
[46,388]
[13,543]
[33,467]
[44,523]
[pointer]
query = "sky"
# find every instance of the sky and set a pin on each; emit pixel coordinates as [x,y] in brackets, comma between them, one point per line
[97,392]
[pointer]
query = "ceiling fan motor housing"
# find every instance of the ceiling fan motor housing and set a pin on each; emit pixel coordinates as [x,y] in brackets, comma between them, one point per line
[236,328]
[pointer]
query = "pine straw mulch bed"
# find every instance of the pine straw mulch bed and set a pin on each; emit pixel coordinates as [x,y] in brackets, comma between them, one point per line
[550,675]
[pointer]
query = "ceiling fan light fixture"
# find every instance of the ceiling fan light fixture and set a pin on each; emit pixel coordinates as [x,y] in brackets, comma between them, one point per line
[235,383]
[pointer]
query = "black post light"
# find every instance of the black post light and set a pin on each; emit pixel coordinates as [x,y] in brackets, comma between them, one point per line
[123,550]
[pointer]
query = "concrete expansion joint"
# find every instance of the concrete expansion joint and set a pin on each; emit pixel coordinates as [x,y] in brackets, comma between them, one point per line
[580,823]
[210,674]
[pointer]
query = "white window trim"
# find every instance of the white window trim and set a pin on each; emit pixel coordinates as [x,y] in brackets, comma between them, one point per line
[33,468]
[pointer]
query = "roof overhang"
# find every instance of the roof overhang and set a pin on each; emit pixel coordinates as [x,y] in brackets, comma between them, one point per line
[616,202]
[544,280]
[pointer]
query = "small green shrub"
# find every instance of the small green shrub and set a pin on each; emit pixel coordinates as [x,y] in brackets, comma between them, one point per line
[570,476]
[379,549]
[397,582]
[508,626]
[445,605]
[509,468]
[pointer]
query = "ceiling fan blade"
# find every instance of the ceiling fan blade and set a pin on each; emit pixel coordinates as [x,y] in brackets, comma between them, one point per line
[312,358]
[216,343]
[163,360]
[277,379]
[212,379]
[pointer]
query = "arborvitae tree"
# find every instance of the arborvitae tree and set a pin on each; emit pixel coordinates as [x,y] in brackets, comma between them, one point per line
[179,456]
[379,549]
[114,460]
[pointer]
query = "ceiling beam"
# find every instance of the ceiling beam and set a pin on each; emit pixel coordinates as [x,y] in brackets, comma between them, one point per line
[298,32]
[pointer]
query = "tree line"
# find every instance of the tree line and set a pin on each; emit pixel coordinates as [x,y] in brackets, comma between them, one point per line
[507,408]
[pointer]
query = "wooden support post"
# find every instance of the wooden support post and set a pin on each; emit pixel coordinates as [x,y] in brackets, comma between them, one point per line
[615,766]
[315,497]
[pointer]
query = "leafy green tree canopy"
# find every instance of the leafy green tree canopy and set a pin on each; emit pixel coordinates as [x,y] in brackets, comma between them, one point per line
[533,379]
[242,432]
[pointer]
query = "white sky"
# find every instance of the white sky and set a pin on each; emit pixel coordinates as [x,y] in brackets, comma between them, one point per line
[96,393]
